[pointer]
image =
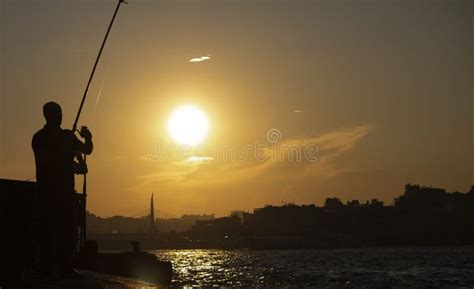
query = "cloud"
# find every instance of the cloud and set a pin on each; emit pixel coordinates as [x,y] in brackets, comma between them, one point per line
[331,145]
[219,185]
[199,159]
[200,59]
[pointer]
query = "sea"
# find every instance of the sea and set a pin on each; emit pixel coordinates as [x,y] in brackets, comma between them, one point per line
[400,267]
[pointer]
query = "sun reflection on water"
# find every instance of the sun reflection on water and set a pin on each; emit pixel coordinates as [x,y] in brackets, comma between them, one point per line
[209,267]
[349,268]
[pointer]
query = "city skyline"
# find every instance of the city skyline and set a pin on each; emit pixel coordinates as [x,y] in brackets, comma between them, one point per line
[422,215]
[152,215]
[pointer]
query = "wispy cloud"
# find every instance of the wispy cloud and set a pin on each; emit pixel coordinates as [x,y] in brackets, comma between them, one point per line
[250,183]
[202,171]
[200,59]
[199,159]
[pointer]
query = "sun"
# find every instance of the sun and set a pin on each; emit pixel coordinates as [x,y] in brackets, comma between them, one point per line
[188,125]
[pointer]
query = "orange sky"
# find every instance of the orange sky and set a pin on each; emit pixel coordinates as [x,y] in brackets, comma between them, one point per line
[384,89]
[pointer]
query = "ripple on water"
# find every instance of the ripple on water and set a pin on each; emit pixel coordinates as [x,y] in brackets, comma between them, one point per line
[401,267]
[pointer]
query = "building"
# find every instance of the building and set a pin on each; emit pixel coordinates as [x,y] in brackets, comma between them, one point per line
[152,229]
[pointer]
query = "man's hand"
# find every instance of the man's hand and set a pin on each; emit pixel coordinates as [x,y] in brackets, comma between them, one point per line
[85,133]
[83,147]
[80,166]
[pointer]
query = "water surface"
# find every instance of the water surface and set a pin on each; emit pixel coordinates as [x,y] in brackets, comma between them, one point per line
[372,267]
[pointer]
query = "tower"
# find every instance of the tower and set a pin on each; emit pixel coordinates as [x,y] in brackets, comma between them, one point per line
[152,230]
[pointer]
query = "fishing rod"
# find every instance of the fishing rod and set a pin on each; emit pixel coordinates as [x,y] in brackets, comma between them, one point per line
[74,127]
[83,238]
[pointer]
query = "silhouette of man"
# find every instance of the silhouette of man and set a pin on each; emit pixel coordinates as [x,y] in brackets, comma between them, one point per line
[55,149]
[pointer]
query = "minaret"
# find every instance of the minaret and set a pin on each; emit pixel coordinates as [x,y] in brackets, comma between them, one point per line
[152,230]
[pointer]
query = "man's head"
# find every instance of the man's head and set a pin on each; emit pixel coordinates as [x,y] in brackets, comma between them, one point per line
[53,114]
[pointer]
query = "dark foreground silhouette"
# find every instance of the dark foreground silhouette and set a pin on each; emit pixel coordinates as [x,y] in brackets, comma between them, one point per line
[43,223]
[55,150]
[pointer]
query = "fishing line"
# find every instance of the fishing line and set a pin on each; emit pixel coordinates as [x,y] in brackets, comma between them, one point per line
[96,102]
[74,126]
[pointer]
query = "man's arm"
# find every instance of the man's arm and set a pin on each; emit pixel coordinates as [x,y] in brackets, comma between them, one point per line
[83,147]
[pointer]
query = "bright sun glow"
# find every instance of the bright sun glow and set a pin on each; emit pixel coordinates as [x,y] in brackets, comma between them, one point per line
[188,125]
